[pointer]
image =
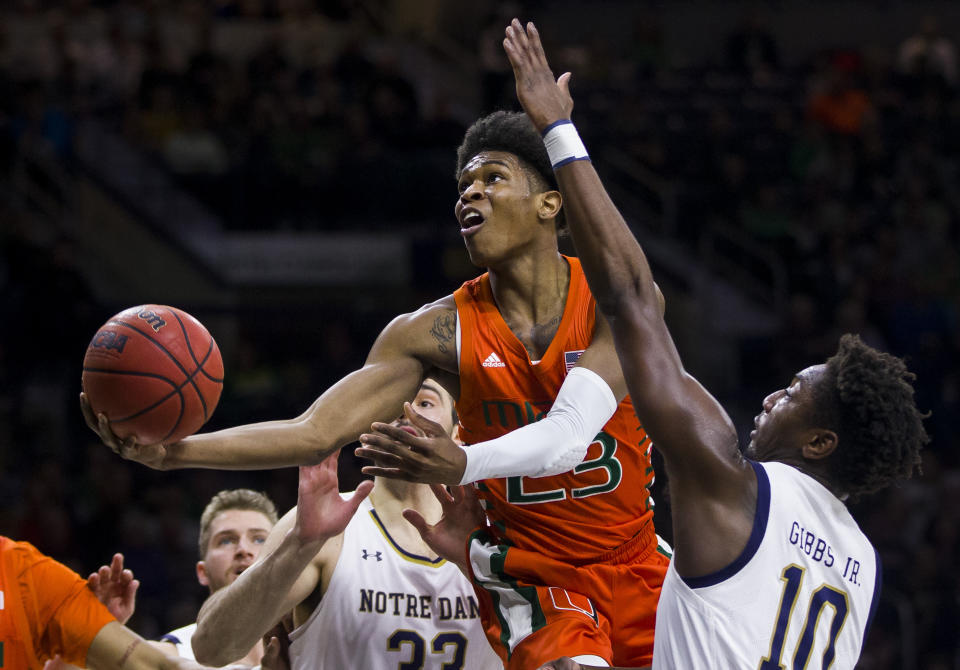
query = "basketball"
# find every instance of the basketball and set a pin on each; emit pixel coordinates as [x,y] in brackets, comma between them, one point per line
[155,372]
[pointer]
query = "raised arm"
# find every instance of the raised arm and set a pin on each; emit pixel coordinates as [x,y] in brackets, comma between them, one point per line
[395,366]
[300,548]
[689,427]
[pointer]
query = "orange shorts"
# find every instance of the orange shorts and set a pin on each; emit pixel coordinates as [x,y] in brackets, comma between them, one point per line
[536,609]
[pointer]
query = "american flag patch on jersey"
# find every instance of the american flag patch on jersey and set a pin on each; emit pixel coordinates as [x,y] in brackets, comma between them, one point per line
[570,358]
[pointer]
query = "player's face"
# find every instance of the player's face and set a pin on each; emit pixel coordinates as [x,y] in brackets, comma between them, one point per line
[497,208]
[236,537]
[785,413]
[434,403]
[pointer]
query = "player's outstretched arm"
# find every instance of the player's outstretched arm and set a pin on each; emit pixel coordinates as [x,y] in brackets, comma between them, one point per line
[585,402]
[288,569]
[116,647]
[405,349]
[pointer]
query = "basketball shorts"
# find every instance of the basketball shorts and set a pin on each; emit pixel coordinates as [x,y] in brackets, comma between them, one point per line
[536,608]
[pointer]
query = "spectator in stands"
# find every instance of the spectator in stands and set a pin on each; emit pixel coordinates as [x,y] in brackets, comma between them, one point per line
[928,57]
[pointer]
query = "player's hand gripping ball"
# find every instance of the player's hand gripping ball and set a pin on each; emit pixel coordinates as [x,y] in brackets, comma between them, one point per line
[155,372]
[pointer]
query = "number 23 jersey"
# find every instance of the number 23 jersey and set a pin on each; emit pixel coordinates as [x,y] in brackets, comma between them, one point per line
[593,508]
[801,595]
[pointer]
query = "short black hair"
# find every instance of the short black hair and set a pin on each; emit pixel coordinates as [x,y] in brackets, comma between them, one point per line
[867,398]
[512,132]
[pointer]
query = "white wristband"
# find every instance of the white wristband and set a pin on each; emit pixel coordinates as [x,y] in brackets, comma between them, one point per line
[563,143]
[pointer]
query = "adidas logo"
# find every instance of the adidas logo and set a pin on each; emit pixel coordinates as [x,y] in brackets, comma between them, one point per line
[493,361]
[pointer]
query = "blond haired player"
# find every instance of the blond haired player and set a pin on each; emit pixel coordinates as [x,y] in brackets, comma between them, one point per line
[233,528]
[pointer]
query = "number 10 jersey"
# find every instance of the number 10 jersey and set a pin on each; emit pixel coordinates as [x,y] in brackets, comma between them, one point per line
[801,595]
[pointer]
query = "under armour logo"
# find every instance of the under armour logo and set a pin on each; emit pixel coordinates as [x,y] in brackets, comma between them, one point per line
[377,555]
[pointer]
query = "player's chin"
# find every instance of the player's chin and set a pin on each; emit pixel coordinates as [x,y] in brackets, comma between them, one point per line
[479,256]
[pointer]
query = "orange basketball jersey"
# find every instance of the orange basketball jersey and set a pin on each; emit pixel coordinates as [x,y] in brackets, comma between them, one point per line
[45,609]
[577,515]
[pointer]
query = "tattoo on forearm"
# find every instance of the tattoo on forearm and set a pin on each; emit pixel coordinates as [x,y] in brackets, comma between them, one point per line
[126,654]
[444,331]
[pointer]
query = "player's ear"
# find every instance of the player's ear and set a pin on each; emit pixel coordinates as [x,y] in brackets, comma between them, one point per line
[819,444]
[550,204]
[202,574]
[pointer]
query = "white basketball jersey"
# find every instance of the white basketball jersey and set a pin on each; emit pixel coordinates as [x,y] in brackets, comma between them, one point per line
[182,637]
[387,608]
[801,595]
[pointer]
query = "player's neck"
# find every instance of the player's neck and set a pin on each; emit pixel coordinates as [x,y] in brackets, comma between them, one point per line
[533,285]
[391,496]
[531,298]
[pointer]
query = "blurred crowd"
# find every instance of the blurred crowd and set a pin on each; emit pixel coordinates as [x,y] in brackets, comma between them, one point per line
[306,115]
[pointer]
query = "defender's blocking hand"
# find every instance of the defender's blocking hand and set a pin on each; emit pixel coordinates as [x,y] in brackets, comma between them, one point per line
[116,588]
[462,514]
[321,512]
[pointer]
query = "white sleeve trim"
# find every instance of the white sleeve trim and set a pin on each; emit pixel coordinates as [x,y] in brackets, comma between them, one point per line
[553,445]
[458,338]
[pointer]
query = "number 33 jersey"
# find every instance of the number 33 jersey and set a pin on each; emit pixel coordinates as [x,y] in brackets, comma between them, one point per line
[386,608]
[601,503]
[801,595]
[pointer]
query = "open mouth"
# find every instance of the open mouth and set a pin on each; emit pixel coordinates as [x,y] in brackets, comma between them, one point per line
[470,221]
